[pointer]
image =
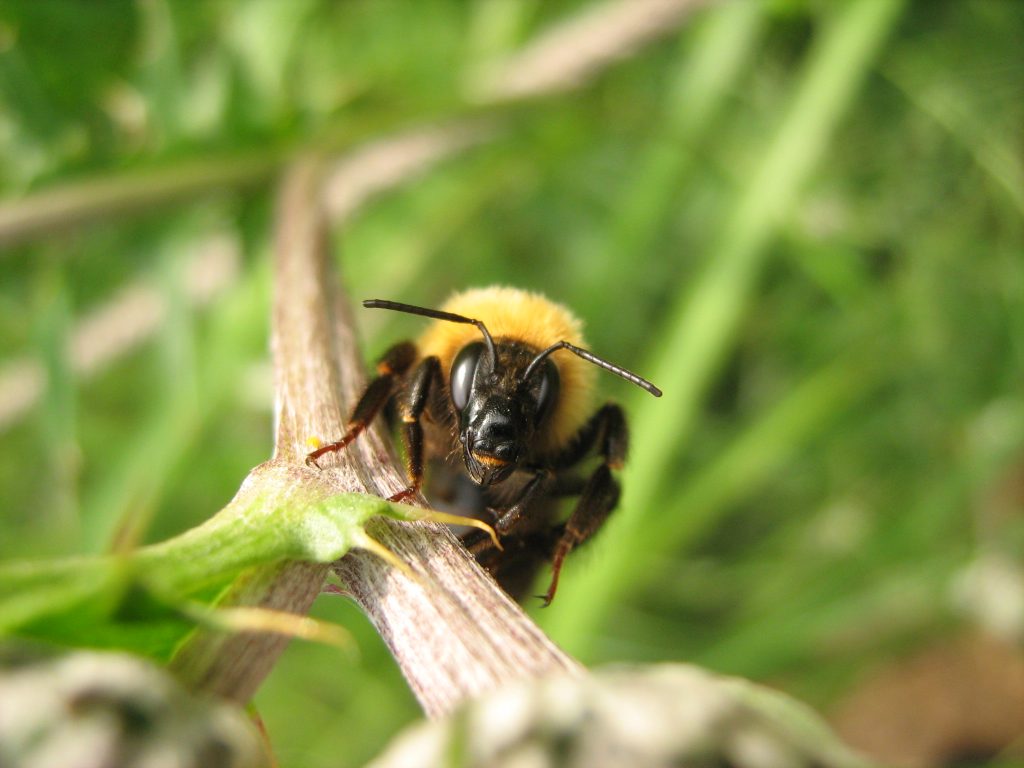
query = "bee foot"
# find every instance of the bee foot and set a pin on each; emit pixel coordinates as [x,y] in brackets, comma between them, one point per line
[401,496]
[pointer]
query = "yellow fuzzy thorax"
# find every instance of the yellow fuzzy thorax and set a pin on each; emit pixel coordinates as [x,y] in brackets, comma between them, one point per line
[529,318]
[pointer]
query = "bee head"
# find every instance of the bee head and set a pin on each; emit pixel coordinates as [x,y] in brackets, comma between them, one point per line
[501,402]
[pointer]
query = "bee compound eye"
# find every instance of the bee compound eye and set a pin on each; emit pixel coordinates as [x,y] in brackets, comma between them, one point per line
[547,395]
[463,371]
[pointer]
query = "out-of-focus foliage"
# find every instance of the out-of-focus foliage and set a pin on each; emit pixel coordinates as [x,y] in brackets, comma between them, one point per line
[848,484]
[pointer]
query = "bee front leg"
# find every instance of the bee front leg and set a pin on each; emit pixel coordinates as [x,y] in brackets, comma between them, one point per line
[506,521]
[425,380]
[392,366]
[535,488]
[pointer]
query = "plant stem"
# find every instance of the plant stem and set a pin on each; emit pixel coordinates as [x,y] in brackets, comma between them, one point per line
[454,633]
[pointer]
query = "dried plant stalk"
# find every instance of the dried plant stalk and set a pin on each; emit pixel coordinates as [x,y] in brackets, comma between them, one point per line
[572,52]
[451,629]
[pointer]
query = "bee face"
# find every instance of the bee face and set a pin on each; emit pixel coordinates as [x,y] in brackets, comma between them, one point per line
[501,403]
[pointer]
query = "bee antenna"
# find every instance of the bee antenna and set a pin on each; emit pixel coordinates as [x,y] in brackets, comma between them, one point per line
[436,314]
[592,358]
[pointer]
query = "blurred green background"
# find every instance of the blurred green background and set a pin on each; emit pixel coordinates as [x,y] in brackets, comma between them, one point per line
[804,220]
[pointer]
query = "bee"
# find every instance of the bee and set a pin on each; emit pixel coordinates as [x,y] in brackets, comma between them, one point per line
[496,396]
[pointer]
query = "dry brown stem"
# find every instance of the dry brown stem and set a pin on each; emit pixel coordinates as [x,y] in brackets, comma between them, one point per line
[452,630]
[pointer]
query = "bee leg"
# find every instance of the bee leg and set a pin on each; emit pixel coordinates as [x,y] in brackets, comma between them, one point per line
[425,380]
[537,487]
[392,366]
[599,497]
[505,521]
[567,485]
[607,430]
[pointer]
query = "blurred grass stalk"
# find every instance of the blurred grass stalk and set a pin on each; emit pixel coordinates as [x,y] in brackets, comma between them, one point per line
[713,60]
[996,157]
[705,319]
[121,195]
[58,417]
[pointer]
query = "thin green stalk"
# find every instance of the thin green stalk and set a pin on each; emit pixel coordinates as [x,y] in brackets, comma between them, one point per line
[841,601]
[270,525]
[58,419]
[997,156]
[282,513]
[758,453]
[720,51]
